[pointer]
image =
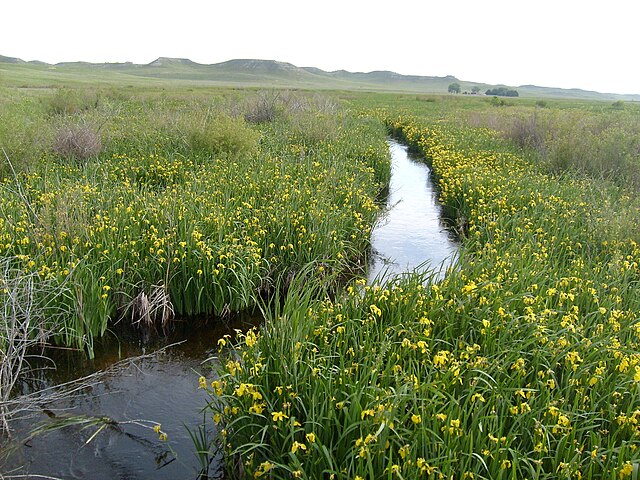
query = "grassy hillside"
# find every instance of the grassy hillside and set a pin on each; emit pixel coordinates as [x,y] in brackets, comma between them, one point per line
[251,73]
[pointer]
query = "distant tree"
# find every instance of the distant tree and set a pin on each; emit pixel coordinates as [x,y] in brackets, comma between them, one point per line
[475,89]
[502,92]
[618,105]
[454,87]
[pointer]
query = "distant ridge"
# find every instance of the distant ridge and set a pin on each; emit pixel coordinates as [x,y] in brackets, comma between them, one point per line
[4,59]
[265,73]
[254,64]
[167,61]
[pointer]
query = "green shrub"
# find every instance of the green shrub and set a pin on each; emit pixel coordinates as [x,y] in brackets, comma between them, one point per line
[498,102]
[23,136]
[313,127]
[70,102]
[224,136]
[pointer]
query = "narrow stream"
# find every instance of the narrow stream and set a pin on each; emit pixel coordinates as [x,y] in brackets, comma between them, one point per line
[164,387]
[411,235]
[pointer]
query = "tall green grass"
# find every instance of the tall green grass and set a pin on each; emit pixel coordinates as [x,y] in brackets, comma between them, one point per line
[603,143]
[189,207]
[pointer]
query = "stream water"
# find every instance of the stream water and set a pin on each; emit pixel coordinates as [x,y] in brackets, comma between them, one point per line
[164,387]
[412,235]
[160,387]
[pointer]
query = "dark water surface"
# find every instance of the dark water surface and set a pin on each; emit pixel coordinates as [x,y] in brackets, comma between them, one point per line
[164,387]
[160,387]
[412,234]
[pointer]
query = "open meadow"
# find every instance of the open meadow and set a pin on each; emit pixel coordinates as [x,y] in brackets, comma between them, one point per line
[126,207]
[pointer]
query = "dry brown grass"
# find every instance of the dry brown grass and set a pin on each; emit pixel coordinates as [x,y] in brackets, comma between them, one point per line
[79,142]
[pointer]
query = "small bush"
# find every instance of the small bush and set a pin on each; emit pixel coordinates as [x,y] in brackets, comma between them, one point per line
[70,102]
[262,109]
[324,104]
[313,127]
[224,135]
[268,106]
[23,142]
[527,132]
[79,142]
[498,102]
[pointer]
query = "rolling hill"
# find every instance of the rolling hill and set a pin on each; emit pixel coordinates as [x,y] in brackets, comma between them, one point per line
[252,73]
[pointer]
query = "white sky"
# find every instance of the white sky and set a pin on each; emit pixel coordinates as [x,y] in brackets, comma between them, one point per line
[558,43]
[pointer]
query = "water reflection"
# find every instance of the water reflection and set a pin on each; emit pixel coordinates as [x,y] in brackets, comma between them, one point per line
[161,387]
[411,235]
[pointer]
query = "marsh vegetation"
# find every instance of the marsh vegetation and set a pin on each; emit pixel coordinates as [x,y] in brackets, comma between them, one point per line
[523,362]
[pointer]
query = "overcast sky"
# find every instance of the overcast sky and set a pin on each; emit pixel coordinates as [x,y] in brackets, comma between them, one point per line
[555,43]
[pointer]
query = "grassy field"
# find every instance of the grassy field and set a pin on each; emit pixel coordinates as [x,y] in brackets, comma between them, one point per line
[253,73]
[135,204]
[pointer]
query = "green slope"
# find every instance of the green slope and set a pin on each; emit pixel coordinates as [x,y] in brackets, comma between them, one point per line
[250,73]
